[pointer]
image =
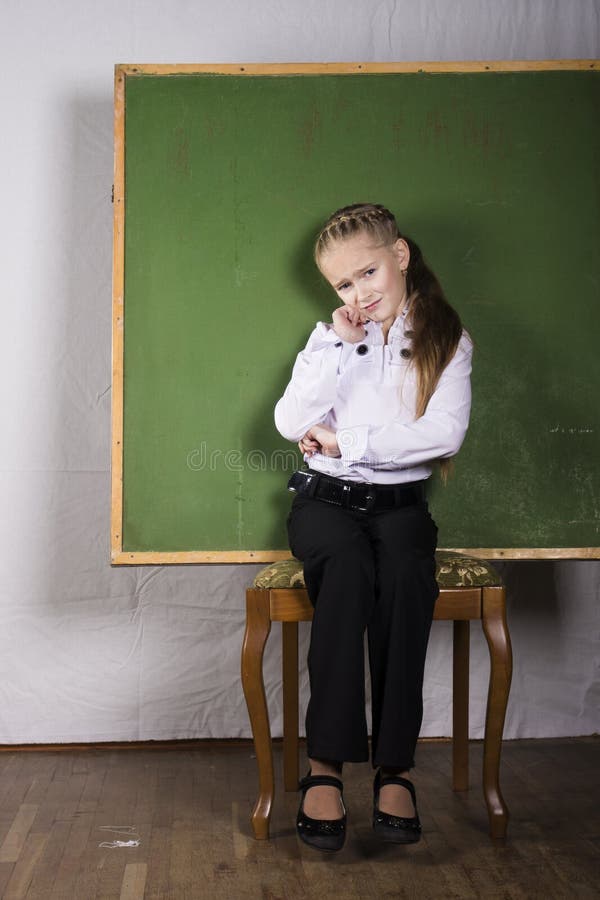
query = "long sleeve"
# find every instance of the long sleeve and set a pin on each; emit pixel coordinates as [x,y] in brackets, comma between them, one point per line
[311,393]
[438,433]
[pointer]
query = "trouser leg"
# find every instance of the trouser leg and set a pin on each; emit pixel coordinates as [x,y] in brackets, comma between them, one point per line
[340,577]
[403,542]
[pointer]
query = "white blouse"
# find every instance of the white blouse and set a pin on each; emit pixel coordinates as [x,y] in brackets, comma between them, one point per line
[366,392]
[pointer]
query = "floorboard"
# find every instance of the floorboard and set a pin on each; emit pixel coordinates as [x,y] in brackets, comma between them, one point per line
[186,815]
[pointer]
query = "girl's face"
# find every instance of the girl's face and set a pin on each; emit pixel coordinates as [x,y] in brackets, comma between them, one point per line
[367,276]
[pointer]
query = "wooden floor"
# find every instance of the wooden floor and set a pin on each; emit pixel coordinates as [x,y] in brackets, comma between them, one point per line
[189,811]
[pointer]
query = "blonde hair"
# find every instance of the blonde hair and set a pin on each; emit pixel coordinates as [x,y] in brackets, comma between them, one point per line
[436,326]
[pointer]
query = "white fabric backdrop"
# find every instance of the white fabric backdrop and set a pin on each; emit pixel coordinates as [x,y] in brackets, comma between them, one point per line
[90,653]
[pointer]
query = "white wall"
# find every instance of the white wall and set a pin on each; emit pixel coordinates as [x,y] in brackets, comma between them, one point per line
[90,653]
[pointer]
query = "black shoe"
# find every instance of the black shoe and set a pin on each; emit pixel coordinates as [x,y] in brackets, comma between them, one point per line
[323,834]
[398,829]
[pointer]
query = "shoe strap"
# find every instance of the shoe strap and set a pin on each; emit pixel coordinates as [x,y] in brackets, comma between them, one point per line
[310,781]
[382,780]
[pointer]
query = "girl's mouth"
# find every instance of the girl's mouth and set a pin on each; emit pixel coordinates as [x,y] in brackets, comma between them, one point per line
[371,306]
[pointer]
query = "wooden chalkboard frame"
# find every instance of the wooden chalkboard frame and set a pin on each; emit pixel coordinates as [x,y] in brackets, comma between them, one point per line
[122,72]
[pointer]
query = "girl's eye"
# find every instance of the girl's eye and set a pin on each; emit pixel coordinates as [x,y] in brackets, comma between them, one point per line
[342,287]
[369,271]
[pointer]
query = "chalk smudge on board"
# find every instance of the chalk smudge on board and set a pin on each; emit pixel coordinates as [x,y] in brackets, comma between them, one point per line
[181,152]
[308,129]
[491,203]
[239,496]
[572,429]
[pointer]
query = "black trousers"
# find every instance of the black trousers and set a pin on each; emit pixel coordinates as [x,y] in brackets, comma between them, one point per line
[373,571]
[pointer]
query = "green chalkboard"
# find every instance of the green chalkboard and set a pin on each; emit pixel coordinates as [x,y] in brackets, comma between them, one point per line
[226,179]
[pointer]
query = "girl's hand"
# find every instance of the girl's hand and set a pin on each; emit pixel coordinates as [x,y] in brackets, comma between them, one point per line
[308,445]
[348,324]
[320,439]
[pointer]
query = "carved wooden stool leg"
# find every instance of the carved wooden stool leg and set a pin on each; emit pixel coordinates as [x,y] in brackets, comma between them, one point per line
[289,639]
[498,638]
[258,626]
[460,706]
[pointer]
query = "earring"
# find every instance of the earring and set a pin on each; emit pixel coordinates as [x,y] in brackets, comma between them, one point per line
[403,272]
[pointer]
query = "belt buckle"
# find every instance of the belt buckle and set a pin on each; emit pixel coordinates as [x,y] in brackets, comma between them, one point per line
[302,482]
[369,500]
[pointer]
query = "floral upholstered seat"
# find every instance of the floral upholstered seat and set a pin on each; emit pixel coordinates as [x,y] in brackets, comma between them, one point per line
[453,570]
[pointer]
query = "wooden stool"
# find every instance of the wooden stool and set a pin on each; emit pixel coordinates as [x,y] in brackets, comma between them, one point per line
[469,589]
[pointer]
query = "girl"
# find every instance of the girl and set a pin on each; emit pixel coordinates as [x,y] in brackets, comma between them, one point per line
[376,398]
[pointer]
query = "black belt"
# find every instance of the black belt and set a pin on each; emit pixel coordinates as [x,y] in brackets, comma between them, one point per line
[356,495]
